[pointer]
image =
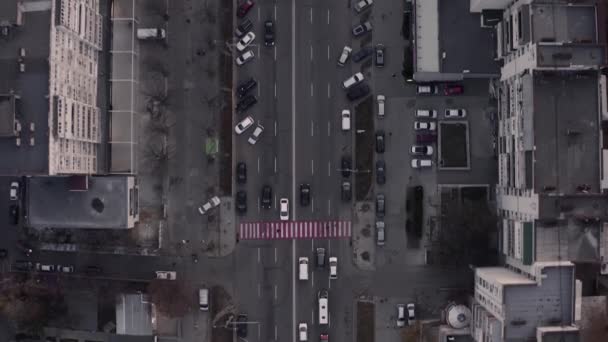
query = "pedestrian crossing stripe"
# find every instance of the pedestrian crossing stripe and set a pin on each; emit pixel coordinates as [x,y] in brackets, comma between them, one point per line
[294,230]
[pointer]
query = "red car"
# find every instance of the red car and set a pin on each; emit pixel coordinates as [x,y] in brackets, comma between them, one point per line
[453,89]
[244,8]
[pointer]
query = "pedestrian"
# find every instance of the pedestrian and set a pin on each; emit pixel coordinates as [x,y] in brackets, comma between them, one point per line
[394,75]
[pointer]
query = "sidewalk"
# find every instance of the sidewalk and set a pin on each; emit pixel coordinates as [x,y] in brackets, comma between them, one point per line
[364,247]
[220,234]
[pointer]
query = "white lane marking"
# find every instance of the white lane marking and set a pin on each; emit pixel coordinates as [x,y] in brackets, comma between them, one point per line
[275,13]
[327,51]
[328,128]
[275,164]
[328,16]
[311,54]
[312,167]
[275,201]
[293,167]
[275,52]
[311,89]
[259,290]
[275,90]
[258,165]
[312,128]
[275,332]
[312,279]
[259,331]
[328,90]
[275,255]
[312,204]
[312,245]
[311,15]
[276,292]
[329,168]
[329,207]
[258,204]
[259,255]
[259,14]
[275,128]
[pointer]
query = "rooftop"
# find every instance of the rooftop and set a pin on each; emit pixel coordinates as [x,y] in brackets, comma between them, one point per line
[562,22]
[503,276]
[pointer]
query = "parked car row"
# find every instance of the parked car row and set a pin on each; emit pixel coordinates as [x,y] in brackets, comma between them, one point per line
[247,36]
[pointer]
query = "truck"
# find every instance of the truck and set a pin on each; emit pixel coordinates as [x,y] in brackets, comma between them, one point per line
[151,33]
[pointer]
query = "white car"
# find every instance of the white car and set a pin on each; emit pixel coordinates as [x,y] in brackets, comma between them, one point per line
[244,58]
[166,275]
[411,314]
[65,269]
[243,125]
[421,163]
[333,268]
[346,120]
[303,331]
[455,113]
[14,191]
[255,136]
[400,315]
[245,41]
[424,125]
[213,202]
[381,99]
[284,209]
[426,113]
[363,4]
[345,55]
[354,79]
[422,150]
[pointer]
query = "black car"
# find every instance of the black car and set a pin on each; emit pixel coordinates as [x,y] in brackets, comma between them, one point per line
[244,27]
[241,201]
[246,103]
[346,191]
[266,197]
[320,257]
[304,194]
[241,326]
[245,87]
[13,214]
[380,142]
[268,33]
[23,265]
[347,165]
[358,91]
[362,54]
[241,173]
[379,55]
[92,270]
[380,205]
[380,172]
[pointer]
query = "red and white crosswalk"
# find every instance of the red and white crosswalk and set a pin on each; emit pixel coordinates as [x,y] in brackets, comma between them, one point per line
[294,230]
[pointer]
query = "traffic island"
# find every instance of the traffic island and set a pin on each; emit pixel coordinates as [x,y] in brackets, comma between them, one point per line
[365,321]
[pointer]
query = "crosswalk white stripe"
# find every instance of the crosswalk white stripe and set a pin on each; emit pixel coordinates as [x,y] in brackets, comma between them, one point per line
[293,229]
[349,228]
[305,230]
[299,230]
[282,230]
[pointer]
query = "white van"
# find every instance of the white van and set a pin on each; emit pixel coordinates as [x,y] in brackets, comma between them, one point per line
[381,100]
[345,120]
[303,266]
[333,268]
[323,307]
[203,299]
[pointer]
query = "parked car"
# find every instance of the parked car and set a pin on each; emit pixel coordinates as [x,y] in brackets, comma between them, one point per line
[361,29]
[362,54]
[455,113]
[246,86]
[14,191]
[23,265]
[346,165]
[241,173]
[92,270]
[346,193]
[245,57]
[284,209]
[353,80]
[246,103]
[241,201]
[425,125]
[426,113]
[357,92]
[245,26]
[380,55]
[422,150]
[304,194]
[400,315]
[255,136]
[380,146]
[381,100]
[244,8]
[45,268]
[426,89]
[13,214]
[346,51]
[453,89]
[380,233]
[411,313]
[421,163]
[266,197]
[333,268]
[3,253]
[380,172]
[241,326]
[212,203]
[166,275]
[269,33]
[65,269]
[245,41]
[345,120]
[363,5]
[380,205]
[243,125]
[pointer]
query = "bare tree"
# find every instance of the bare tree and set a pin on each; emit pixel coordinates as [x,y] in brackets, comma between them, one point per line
[170,297]
[595,328]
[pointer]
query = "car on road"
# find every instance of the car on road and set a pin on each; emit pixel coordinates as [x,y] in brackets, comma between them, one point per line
[246,103]
[241,201]
[245,57]
[241,173]
[284,209]
[324,338]
[346,193]
[243,125]
[320,257]
[23,265]
[453,89]
[45,268]
[380,146]
[379,55]
[361,29]
[362,54]
[212,203]
[92,270]
[422,150]
[266,197]
[455,113]
[426,138]
[380,205]
[304,194]
[244,8]
[303,331]
[245,41]
[400,315]
[380,172]
[245,26]
[346,51]
[245,87]
[345,120]
[426,89]
[241,325]
[411,313]
[346,165]
[13,214]
[353,80]
[421,163]
[333,268]
[357,92]
[166,275]
[380,233]
[381,100]
[303,268]
[65,269]
[14,191]
[424,126]
[362,5]
[269,33]
[426,113]
[255,136]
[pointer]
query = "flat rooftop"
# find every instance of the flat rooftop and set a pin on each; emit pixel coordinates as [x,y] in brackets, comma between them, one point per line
[50,203]
[561,22]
